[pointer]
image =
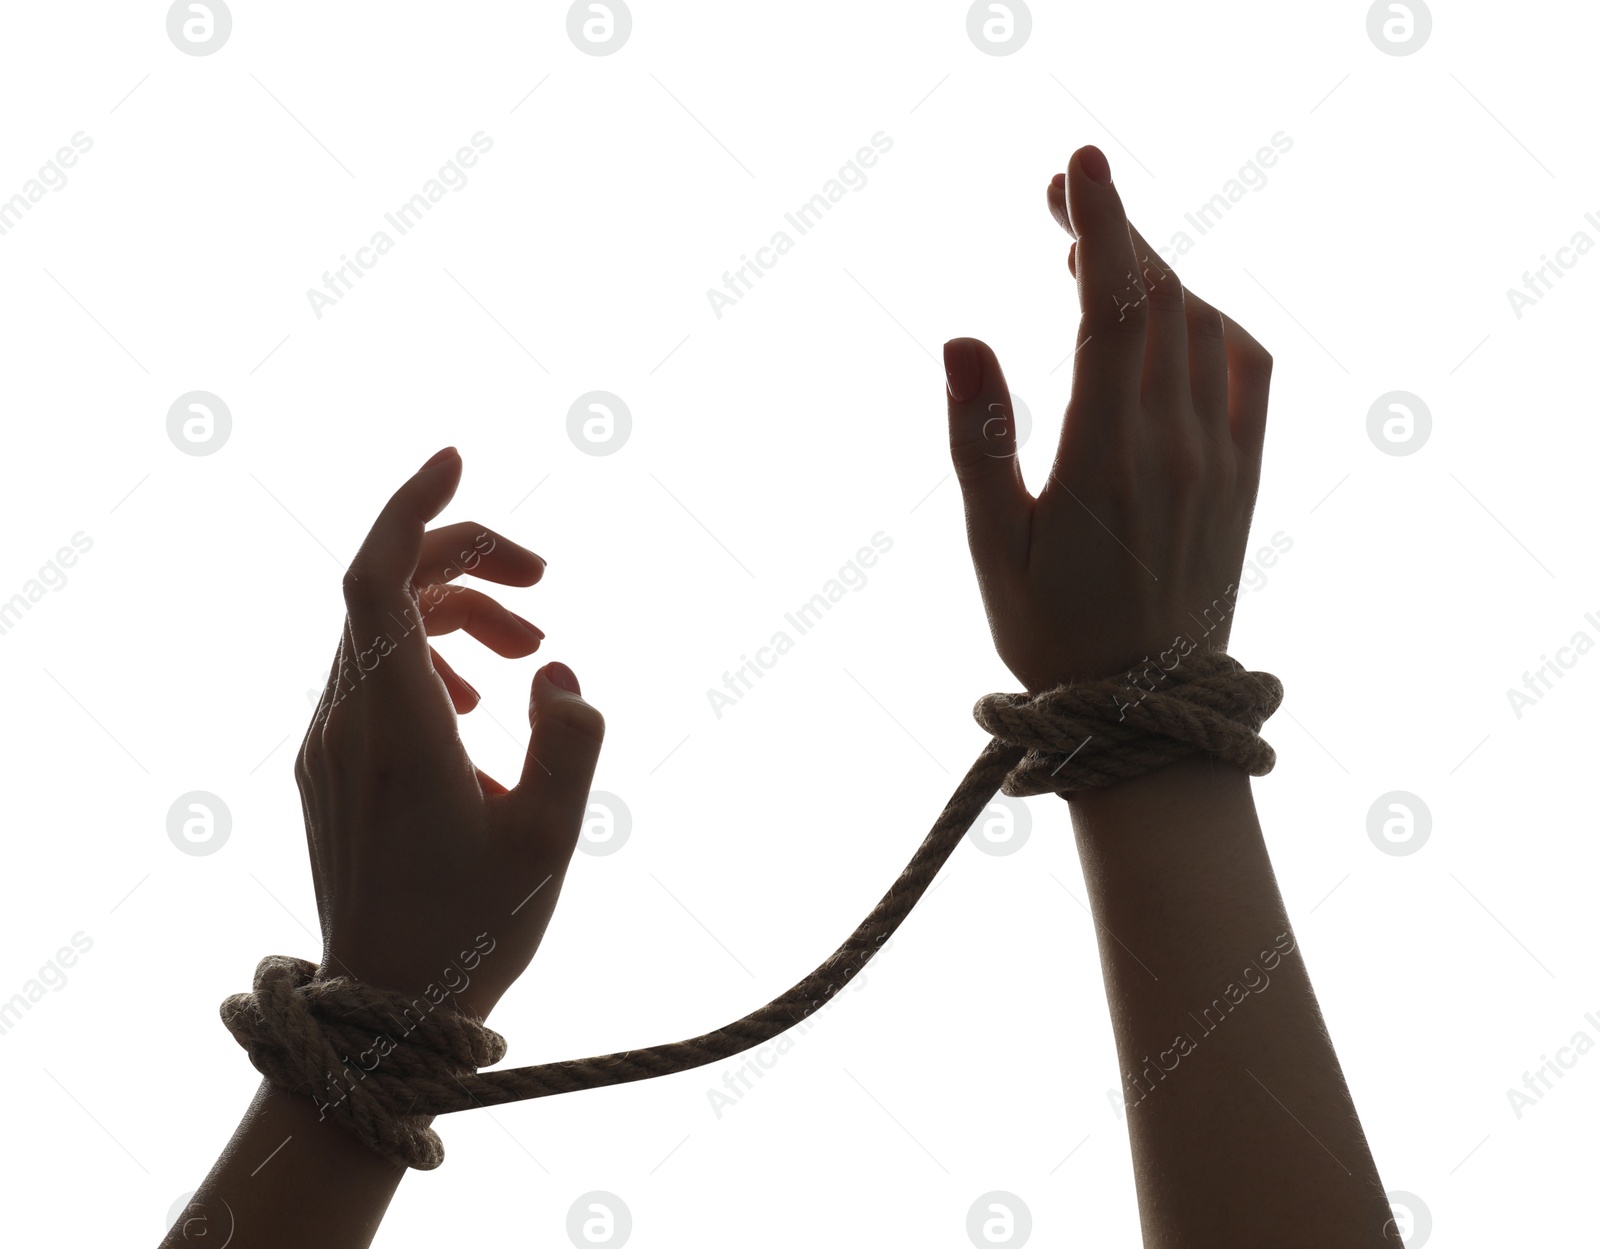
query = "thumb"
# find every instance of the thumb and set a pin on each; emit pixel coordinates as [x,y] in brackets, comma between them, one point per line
[983,447]
[563,749]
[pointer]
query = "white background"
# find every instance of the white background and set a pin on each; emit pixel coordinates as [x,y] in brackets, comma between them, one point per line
[767,446]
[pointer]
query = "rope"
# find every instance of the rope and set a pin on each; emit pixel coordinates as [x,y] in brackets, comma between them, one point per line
[299,1030]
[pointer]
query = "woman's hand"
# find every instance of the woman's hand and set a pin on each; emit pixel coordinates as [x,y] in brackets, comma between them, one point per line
[1138,538]
[433,878]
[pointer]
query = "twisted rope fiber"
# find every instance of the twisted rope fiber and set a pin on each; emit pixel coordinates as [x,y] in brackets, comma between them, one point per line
[299,1031]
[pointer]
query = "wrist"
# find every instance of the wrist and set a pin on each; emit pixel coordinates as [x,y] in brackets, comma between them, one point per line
[1196,777]
[471,1000]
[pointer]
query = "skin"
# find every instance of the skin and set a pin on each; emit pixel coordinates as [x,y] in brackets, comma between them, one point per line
[429,873]
[1251,1136]
[418,857]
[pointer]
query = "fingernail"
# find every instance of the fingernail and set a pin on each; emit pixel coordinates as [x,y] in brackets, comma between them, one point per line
[1095,164]
[561,675]
[528,625]
[440,457]
[961,368]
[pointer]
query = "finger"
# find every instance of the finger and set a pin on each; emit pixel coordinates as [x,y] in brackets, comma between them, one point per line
[447,608]
[384,619]
[1108,375]
[468,548]
[1056,197]
[1166,347]
[1208,362]
[563,748]
[983,447]
[462,696]
[1249,379]
[487,783]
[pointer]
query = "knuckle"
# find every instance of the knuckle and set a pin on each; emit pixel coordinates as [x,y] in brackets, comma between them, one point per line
[580,717]
[359,587]
[1163,290]
[1185,466]
[1258,361]
[1166,298]
[1205,321]
[1123,308]
[980,447]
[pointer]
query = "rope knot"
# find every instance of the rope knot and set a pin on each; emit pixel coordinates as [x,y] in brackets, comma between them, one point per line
[1085,734]
[381,1062]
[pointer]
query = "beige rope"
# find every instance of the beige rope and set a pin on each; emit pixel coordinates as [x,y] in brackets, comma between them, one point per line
[315,1037]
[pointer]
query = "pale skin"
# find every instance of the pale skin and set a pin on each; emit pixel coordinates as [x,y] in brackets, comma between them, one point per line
[1251,1138]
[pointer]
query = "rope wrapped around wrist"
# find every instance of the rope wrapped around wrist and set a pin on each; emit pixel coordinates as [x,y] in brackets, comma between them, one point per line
[314,1036]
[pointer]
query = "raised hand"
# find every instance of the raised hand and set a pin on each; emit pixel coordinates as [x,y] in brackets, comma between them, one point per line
[432,877]
[1133,548]
[1138,536]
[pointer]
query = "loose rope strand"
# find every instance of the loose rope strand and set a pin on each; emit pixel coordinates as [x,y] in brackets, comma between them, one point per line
[299,1031]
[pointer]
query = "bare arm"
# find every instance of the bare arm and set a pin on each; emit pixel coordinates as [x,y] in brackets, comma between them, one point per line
[286,1178]
[1242,1129]
[433,879]
[1238,1114]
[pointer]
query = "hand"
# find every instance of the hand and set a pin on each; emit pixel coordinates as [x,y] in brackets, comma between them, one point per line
[433,878]
[1138,538]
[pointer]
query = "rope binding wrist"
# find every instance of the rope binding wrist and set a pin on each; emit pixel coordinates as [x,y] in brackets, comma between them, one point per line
[300,1031]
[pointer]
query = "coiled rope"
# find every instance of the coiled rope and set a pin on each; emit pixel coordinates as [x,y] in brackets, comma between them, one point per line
[299,1030]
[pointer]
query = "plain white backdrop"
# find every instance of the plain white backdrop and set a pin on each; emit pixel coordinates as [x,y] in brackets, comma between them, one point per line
[770,439]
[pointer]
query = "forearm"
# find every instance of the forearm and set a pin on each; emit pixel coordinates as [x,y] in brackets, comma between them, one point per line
[1242,1128]
[289,1178]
